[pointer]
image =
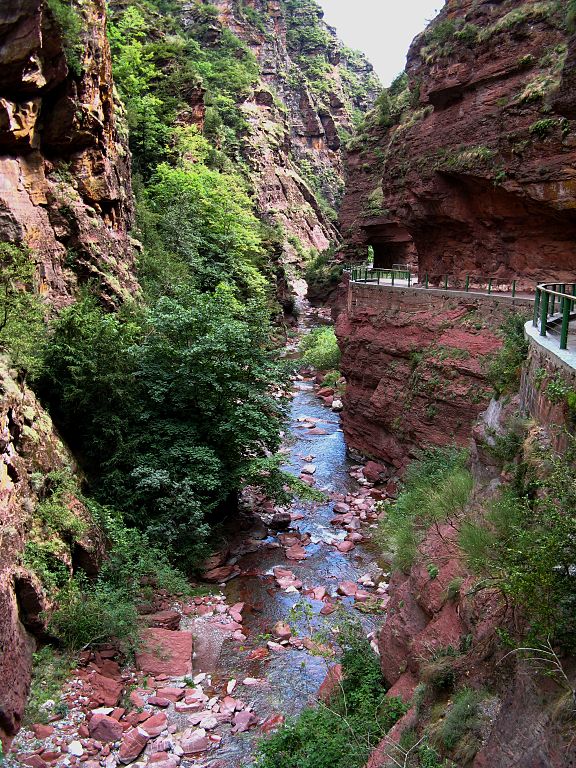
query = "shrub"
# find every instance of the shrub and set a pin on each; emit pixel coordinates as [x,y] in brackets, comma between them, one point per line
[22,330]
[525,545]
[343,733]
[89,614]
[462,719]
[436,487]
[320,349]
[50,670]
[505,368]
[70,24]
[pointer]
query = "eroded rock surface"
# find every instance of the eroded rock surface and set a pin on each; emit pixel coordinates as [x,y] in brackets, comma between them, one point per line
[64,163]
[474,171]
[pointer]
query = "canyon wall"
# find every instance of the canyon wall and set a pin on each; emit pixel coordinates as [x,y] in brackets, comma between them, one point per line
[300,114]
[416,365]
[65,195]
[65,189]
[466,166]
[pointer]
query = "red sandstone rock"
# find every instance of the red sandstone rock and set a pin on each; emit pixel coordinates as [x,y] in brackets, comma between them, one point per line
[104,690]
[42,731]
[373,471]
[132,745]
[272,723]
[347,588]
[155,725]
[164,619]
[331,683]
[165,651]
[223,574]
[104,728]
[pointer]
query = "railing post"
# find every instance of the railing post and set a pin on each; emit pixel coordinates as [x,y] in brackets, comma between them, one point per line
[445,282]
[544,312]
[392,278]
[513,288]
[409,279]
[553,300]
[426,280]
[467,283]
[565,324]
[536,308]
[489,285]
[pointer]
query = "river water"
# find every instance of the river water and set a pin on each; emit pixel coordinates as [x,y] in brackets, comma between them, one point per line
[292,677]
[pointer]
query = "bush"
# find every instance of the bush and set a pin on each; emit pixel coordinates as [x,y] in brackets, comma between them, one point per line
[70,23]
[436,487]
[526,546]
[319,348]
[462,720]
[89,614]
[50,670]
[343,733]
[505,368]
[22,330]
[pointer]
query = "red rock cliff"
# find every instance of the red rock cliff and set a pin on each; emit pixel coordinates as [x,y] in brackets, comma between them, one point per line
[64,165]
[467,164]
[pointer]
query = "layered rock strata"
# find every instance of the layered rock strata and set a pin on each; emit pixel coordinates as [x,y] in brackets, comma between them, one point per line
[30,450]
[467,165]
[416,365]
[65,189]
[298,121]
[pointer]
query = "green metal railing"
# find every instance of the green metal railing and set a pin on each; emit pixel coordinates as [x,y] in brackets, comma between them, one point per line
[371,275]
[363,274]
[555,305]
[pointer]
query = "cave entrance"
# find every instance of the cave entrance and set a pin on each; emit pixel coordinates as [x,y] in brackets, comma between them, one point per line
[390,255]
[391,244]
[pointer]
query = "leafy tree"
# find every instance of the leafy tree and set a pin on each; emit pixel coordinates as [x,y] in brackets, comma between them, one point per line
[169,408]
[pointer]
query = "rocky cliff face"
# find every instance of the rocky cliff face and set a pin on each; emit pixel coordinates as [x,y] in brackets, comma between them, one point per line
[301,111]
[31,456]
[65,169]
[416,365]
[467,164]
[65,194]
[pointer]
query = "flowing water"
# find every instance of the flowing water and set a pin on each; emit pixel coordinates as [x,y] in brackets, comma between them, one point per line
[292,677]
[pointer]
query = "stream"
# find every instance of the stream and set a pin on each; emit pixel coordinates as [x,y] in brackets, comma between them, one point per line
[292,677]
[264,632]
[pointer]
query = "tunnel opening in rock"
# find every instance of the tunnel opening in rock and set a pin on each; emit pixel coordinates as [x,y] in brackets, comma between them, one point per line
[391,245]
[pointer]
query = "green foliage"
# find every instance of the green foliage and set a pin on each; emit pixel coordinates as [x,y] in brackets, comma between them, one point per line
[204,219]
[342,733]
[525,546]
[571,16]
[506,366]
[541,128]
[54,511]
[436,487]
[69,22]
[50,670]
[319,348]
[192,372]
[321,273]
[463,719]
[87,614]
[47,560]
[22,330]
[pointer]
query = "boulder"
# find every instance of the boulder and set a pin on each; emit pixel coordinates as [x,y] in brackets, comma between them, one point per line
[104,728]
[164,620]
[132,745]
[165,652]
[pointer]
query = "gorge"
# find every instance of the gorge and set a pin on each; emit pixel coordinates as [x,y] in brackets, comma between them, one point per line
[232,533]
